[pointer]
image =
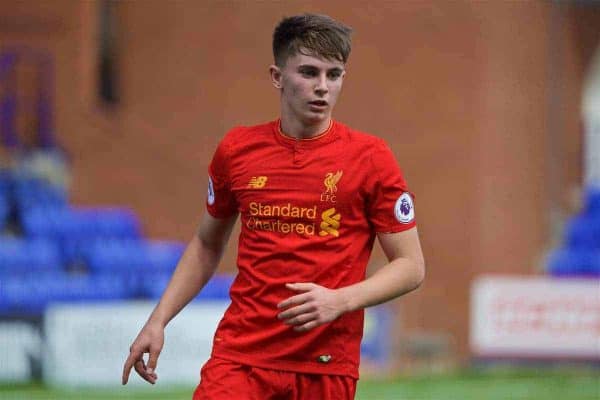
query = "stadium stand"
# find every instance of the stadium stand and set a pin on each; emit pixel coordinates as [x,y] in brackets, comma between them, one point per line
[29,295]
[3,211]
[34,192]
[60,252]
[21,256]
[76,227]
[4,199]
[132,256]
[51,250]
[216,289]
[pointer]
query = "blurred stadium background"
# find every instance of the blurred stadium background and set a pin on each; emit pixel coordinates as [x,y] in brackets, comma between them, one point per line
[110,112]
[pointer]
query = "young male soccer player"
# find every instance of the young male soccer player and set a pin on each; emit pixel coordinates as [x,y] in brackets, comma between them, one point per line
[312,195]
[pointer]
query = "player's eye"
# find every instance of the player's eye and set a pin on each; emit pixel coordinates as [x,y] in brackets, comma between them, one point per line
[308,72]
[335,74]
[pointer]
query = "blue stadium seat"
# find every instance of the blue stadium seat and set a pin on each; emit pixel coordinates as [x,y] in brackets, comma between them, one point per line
[29,295]
[114,222]
[592,201]
[163,255]
[76,227]
[6,181]
[376,340]
[67,223]
[5,197]
[583,232]
[4,211]
[45,222]
[573,262]
[18,256]
[34,192]
[216,289]
[153,286]
[132,256]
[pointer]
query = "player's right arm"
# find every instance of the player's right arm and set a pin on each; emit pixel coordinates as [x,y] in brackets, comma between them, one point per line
[195,268]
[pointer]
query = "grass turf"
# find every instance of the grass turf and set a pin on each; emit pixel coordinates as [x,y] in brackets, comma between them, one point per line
[511,385]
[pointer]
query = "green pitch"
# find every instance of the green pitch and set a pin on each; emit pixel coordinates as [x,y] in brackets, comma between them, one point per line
[508,385]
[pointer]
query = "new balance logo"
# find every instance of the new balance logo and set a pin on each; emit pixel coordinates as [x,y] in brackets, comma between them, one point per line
[257,182]
[330,223]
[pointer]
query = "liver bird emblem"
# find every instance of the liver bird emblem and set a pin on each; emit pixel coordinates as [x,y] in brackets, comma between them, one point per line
[331,181]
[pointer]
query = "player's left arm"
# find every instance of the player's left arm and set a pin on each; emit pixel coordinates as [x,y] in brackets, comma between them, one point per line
[317,305]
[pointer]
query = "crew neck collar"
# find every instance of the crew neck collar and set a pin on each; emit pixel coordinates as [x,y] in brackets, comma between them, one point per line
[327,136]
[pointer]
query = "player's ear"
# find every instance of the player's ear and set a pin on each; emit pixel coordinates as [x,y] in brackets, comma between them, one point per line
[343,74]
[275,73]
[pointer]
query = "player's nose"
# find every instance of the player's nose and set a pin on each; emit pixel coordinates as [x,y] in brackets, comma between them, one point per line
[321,85]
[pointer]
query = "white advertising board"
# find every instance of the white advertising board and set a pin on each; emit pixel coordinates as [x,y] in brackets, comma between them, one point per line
[535,317]
[20,346]
[87,344]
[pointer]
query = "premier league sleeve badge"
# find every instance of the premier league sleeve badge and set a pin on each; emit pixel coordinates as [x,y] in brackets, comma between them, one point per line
[404,209]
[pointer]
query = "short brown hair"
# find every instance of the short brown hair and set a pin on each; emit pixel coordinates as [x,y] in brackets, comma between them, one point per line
[311,34]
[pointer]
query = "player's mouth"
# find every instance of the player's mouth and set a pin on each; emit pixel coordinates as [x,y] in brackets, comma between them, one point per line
[318,104]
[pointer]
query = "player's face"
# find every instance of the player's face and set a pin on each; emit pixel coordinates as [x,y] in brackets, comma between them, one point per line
[309,88]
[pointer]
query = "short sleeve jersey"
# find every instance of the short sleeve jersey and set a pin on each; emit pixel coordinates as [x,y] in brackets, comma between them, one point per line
[309,212]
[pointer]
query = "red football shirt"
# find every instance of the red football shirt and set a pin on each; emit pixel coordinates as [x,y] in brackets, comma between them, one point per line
[309,212]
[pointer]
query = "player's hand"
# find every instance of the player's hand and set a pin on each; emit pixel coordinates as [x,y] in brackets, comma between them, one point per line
[315,306]
[150,340]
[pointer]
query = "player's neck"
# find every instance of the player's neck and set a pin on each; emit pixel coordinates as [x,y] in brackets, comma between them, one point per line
[296,129]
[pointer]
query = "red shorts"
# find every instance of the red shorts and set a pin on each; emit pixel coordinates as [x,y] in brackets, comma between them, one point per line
[227,380]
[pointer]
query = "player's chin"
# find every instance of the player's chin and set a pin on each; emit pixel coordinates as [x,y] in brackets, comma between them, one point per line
[313,117]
